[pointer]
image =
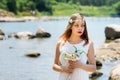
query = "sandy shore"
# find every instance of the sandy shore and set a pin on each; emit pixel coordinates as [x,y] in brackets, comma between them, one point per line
[31,18]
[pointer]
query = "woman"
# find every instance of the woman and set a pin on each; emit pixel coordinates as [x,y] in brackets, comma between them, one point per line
[73,50]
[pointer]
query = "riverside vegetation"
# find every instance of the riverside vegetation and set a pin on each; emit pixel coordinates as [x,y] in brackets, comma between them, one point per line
[61,7]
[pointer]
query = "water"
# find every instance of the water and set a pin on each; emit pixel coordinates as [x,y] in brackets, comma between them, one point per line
[14,65]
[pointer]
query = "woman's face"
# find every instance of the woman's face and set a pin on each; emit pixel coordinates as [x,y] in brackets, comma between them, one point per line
[78,27]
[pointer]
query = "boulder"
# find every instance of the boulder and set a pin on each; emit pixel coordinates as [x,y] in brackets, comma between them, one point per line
[25,35]
[41,33]
[95,75]
[109,52]
[98,64]
[2,37]
[1,32]
[115,73]
[33,54]
[112,31]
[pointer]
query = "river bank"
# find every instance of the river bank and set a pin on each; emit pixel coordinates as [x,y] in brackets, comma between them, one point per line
[31,18]
[44,18]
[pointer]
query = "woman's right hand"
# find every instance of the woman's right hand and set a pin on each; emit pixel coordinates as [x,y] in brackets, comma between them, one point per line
[68,69]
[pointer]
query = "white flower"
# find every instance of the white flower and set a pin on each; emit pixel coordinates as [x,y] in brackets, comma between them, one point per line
[70,21]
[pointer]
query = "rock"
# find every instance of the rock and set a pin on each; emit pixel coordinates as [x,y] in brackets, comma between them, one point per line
[1,32]
[112,31]
[95,75]
[41,33]
[117,40]
[25,35]
[11,35]
[2,37]
[115,73]
[98,64]
[4,13]
[10,47]
[108,52]
[33,54]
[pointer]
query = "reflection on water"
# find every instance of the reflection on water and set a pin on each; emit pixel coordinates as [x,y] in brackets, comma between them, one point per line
[14,65]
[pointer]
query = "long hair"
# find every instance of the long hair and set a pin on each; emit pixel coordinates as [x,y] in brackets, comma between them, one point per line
[67,33]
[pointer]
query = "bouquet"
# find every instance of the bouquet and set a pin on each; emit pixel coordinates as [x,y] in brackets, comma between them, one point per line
[73,55]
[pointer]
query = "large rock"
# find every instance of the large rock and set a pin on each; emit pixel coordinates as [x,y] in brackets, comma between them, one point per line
[112,31]
[115,73]
[24,35]
[41,33]
[95,75]
[108,52]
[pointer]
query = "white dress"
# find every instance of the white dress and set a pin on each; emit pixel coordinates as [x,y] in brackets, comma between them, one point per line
[78,74]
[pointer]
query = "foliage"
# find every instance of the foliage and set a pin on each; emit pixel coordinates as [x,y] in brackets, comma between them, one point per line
[11,5]
[61,7]
[117,8]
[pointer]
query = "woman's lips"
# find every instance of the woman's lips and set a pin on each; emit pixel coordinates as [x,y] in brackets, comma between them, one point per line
[79,32]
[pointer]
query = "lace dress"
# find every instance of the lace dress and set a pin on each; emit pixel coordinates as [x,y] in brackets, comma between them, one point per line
[78,74]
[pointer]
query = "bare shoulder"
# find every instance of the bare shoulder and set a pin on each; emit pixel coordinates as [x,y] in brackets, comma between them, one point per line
[60,42]
[90,42]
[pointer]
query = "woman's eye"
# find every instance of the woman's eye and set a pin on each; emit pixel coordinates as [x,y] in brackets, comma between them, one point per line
[76,26]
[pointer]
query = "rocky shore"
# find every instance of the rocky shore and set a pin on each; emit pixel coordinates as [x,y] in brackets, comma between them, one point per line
[110,52]
[31,18]
[40,33]
[15,19]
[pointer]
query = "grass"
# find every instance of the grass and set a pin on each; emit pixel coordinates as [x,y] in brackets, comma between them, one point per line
[63,9]
[68,9]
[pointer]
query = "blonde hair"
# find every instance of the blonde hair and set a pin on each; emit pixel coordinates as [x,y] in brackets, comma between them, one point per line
[67,33]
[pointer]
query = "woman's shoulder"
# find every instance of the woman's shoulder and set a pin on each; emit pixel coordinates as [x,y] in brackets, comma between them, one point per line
[60,42]
[90,42]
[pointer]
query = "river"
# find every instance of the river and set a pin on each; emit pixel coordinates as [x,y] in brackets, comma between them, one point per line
[14,65]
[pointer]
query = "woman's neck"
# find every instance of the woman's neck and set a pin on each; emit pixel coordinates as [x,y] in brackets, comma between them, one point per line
[75,39]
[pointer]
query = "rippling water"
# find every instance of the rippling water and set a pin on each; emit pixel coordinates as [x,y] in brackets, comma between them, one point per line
[14,65]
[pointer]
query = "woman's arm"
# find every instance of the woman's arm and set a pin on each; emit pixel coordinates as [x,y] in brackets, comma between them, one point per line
[56,65]
[91,66]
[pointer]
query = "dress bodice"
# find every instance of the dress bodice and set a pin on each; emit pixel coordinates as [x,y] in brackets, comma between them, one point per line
[82,51]
[74,48]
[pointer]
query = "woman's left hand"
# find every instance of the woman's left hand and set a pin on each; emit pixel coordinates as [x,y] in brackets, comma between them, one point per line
[75,64]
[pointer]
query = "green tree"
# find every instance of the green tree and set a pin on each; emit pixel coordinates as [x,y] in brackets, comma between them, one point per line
[11,5]
[117,8]
[31,5]
[3,4]
[44,5]
[111,2]
[21,5]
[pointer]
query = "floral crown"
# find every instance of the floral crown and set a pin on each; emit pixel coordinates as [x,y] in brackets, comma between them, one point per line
[71,21]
